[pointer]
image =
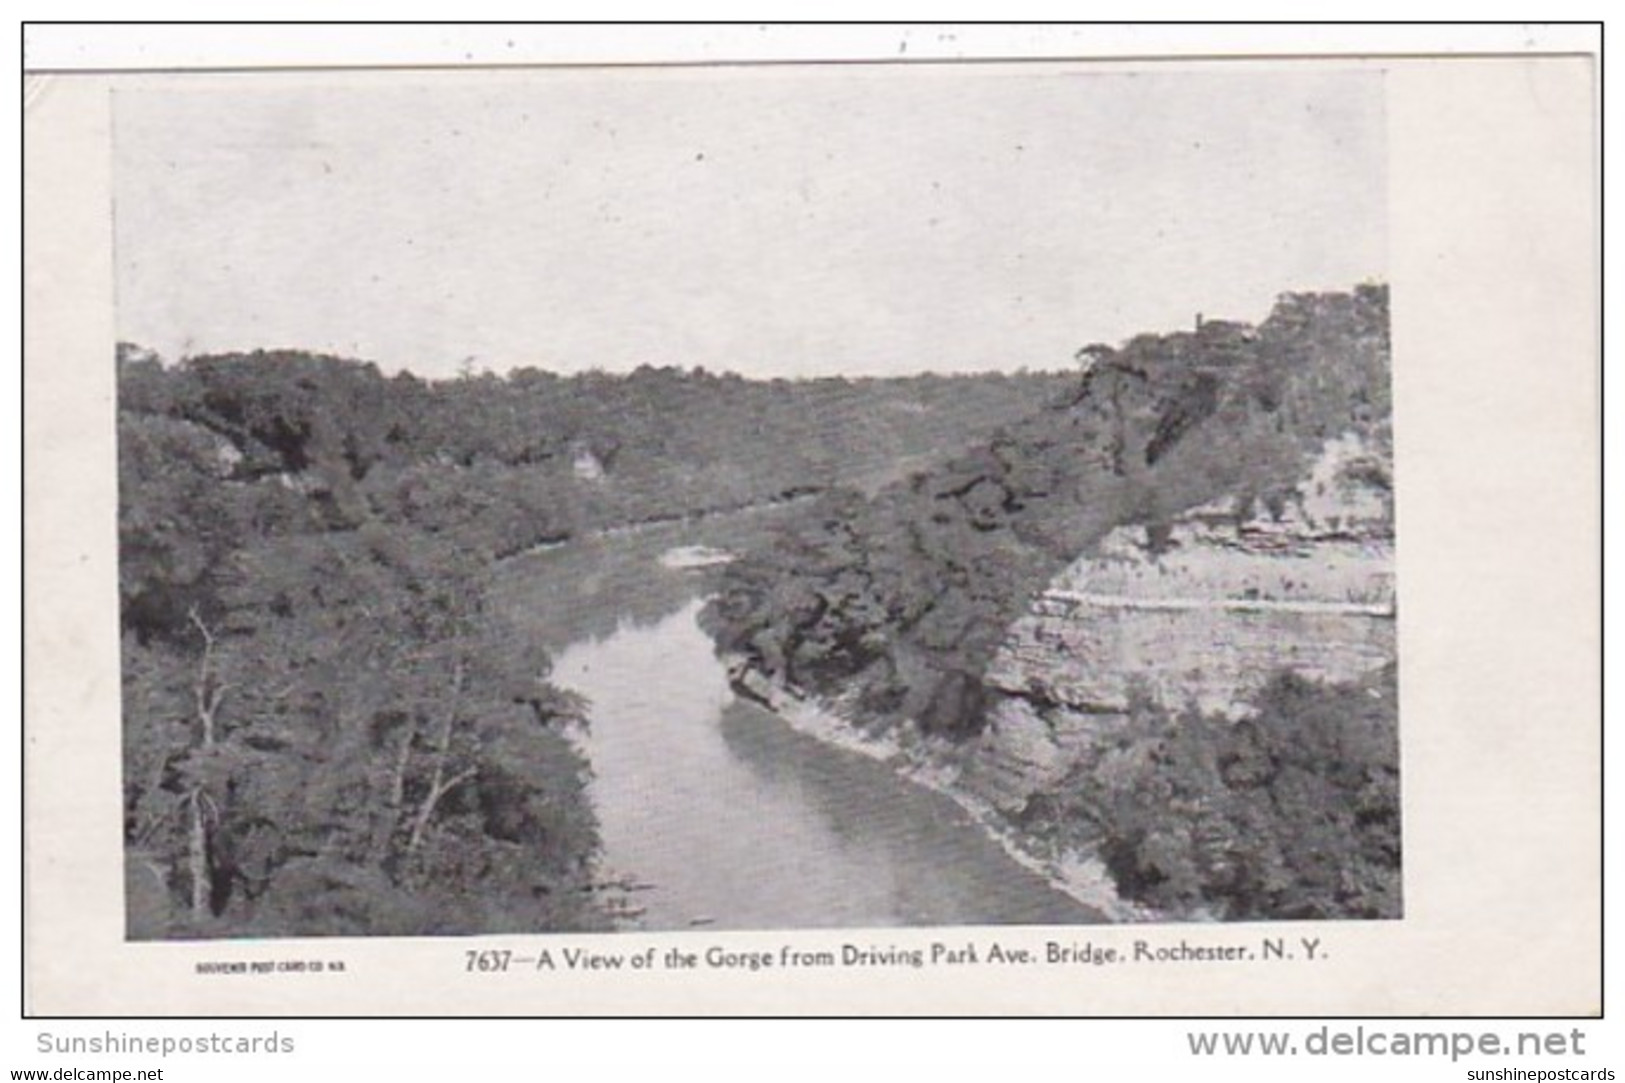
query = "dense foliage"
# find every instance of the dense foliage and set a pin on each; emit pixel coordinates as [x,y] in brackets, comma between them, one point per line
[333,724]
[1292,813]
[906,595]
[325,731]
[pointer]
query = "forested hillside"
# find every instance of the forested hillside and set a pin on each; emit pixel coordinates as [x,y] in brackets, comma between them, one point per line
[330,727]
[895,605]
[910,592]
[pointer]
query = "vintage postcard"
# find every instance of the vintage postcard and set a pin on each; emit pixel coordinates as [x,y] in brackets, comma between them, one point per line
[1034,537]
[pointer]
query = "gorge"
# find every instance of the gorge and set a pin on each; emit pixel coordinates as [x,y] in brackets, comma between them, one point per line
[672,650]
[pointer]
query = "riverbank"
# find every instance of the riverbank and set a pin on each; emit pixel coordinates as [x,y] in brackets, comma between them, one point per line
[787,499]
[933,764]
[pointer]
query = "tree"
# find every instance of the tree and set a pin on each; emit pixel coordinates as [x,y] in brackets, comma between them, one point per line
[326,732]
[1291,813]
[178,524]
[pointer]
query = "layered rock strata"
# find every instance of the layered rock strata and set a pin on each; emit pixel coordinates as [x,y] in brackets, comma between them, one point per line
[1196,613]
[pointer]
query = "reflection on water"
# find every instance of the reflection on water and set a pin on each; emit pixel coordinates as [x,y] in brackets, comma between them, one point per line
[739,821]
[589,591]
[590,588]
[735,819]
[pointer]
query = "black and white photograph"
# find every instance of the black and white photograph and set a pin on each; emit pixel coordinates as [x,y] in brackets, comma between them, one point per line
[792,497]
[762,520]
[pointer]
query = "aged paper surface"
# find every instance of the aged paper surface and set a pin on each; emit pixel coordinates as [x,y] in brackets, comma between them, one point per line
[1490,225]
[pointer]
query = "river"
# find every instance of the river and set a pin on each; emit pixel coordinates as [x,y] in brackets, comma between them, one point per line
[718,811]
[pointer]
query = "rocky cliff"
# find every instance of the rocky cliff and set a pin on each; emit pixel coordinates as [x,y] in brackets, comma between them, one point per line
[1152,624]
[1199,613]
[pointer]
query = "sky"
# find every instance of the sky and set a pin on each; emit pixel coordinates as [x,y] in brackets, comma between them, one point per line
[773,221]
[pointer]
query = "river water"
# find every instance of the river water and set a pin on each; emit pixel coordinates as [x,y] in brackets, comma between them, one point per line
[718,811]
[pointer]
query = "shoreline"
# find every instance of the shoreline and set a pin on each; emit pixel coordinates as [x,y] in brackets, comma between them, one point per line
[1080,877]
[645,526]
